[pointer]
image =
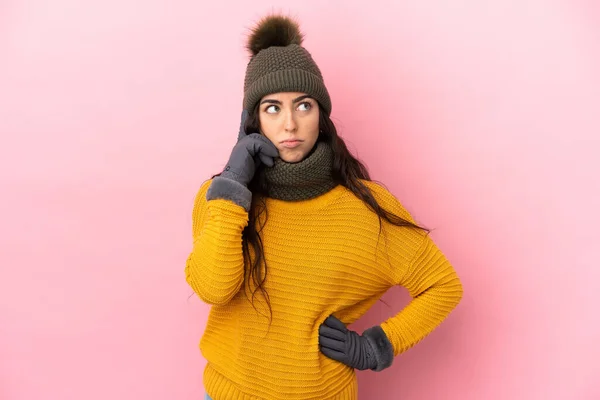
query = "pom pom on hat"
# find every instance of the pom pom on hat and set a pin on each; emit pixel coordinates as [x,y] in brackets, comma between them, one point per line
[274,30]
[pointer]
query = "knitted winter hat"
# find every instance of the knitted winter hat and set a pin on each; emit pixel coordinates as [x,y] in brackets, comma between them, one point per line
[280,64]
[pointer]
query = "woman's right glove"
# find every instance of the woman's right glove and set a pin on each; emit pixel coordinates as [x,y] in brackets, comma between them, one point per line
[246,156]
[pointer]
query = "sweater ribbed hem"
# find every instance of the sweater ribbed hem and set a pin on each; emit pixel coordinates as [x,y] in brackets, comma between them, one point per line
[220,388]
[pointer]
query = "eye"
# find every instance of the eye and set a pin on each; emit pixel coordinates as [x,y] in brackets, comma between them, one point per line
[273,109]
[307,106]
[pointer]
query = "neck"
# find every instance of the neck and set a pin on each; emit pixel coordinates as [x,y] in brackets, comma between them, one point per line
[303,180]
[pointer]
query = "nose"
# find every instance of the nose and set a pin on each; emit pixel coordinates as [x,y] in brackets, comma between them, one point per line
[290,122]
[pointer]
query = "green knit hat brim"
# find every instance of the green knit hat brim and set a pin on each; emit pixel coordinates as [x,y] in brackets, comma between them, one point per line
[287,80]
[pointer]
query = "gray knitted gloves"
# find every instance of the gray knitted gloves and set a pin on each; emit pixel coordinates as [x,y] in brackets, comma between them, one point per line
[247,154]
[371,350]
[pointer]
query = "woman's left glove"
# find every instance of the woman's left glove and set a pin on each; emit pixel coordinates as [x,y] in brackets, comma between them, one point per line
[371,350]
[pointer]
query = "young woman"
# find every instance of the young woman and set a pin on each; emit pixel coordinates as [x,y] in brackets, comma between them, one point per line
[292,242]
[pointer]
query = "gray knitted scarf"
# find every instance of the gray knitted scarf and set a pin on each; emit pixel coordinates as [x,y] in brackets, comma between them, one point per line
[303,180]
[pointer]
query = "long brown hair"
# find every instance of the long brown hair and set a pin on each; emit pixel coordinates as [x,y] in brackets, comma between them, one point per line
[347,171]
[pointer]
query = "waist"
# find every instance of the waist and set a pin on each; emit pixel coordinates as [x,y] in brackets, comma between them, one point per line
[223,383]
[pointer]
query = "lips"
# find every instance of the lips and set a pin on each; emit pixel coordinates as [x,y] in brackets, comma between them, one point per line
[291,143]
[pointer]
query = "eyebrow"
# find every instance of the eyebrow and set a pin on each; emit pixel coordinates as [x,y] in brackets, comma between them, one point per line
[297,99]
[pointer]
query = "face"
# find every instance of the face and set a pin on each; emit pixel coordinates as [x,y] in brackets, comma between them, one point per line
[291,121]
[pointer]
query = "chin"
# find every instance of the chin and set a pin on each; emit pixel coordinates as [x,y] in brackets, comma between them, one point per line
[293,157]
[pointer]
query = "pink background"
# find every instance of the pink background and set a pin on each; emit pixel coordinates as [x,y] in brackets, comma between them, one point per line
[481,116]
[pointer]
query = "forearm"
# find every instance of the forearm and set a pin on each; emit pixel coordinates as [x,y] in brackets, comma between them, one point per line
[436,291]
[422,315]
[215,267]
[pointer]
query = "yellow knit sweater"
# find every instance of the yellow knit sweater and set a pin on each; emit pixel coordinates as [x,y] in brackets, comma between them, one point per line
[324,256]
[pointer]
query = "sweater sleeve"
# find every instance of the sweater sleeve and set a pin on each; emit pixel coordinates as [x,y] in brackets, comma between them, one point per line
[215,266]
[418,265]
[435,289]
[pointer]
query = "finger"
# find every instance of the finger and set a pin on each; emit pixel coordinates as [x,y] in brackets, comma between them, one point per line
[268,161]
[334,355]
[262,139]
[268,148]
[335,323]
[325,331]
[332,344]
[257,160]
[258,143]
[243,119]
